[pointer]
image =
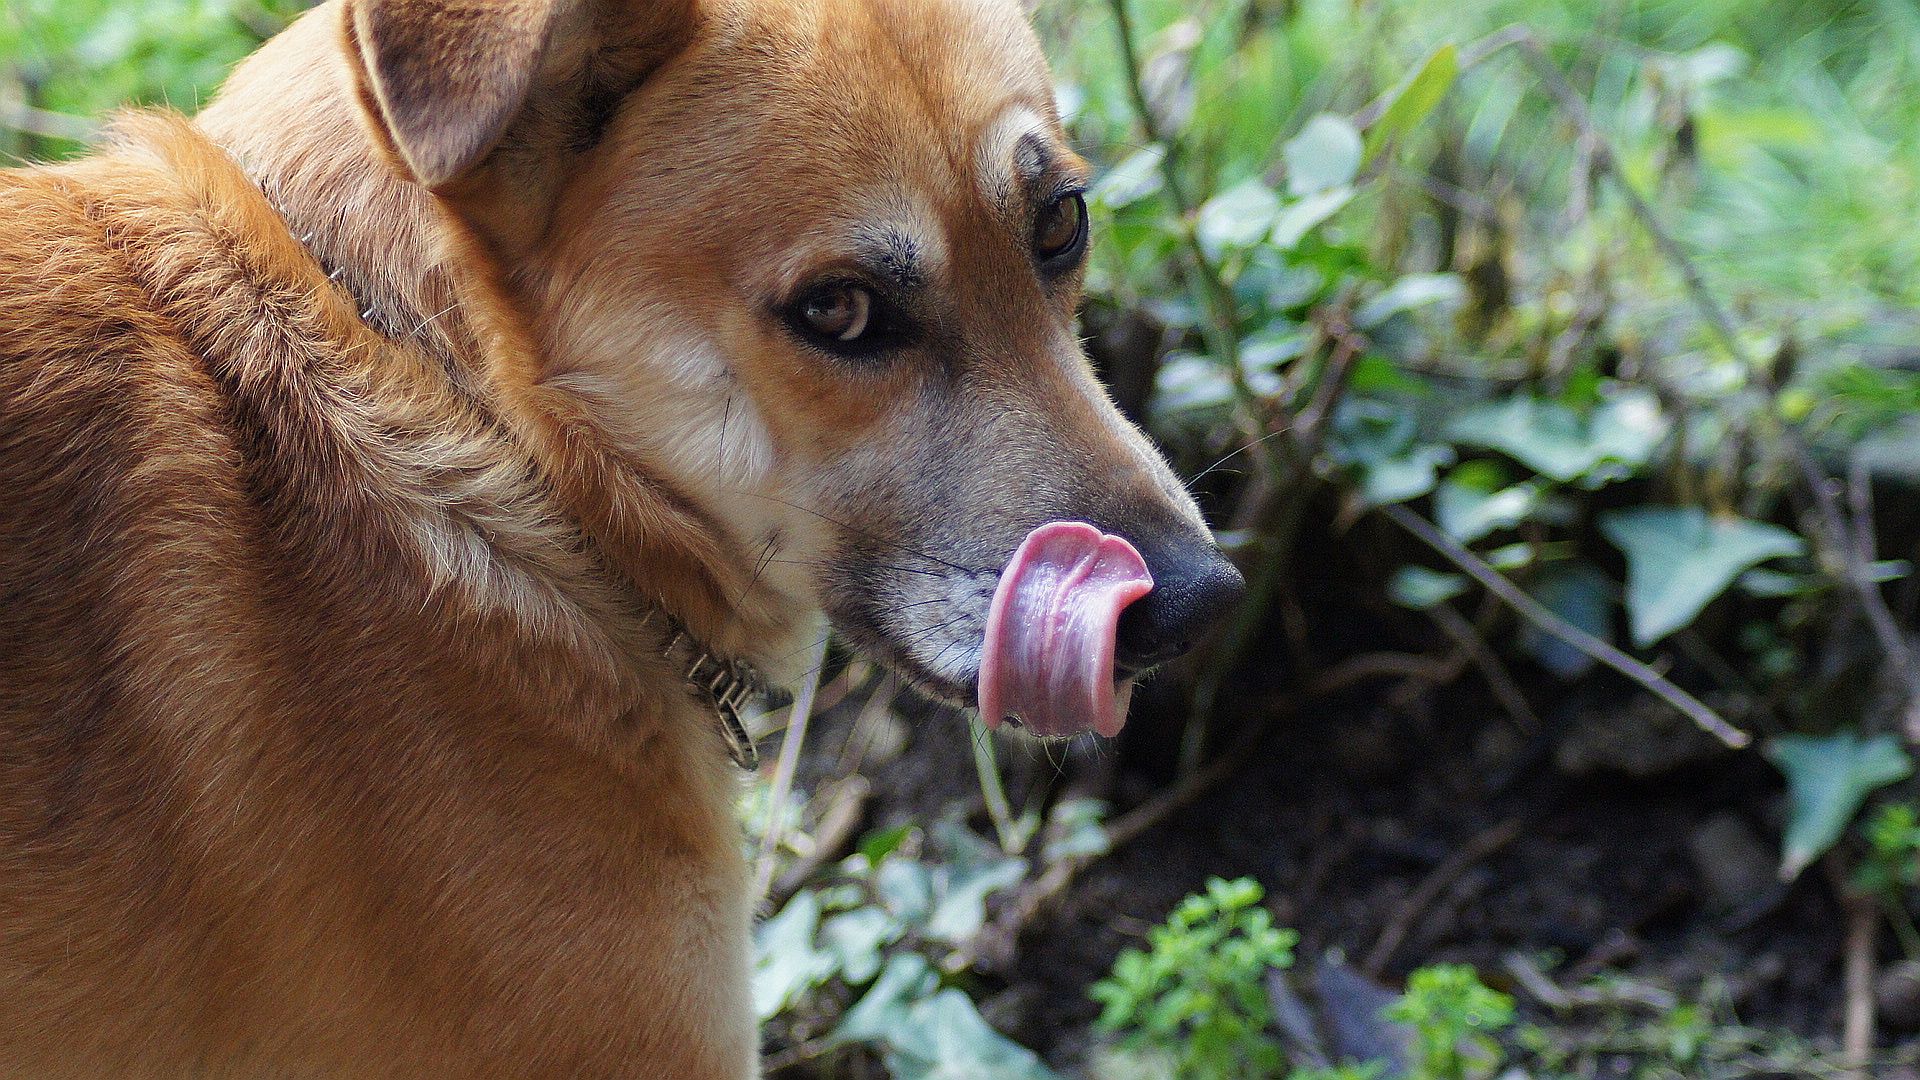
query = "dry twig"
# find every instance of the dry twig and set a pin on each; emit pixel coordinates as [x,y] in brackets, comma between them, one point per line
[1439,880]
[1476,651]
[846,806]
[1863,924]
[1534,612]
[789,764]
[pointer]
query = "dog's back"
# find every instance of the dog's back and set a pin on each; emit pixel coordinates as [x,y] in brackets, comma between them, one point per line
[277,796]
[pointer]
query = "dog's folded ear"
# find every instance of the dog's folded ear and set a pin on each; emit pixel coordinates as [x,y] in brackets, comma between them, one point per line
[446,77]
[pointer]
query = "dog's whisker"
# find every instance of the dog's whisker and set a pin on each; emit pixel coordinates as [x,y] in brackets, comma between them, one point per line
[769,549]
[925,603]
[865,534]
[821,564]
[1209,470]
[929,630]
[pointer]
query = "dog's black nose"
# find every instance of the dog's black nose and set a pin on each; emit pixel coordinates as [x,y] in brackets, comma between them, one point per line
[1194,587]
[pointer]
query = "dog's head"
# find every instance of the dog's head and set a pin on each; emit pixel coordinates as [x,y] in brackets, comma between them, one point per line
[817,262]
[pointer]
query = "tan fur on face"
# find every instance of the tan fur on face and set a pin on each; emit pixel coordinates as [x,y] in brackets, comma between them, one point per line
[335,742]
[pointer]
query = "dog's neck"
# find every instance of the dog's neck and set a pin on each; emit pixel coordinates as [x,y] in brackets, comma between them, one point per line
[303,144]
[409,267]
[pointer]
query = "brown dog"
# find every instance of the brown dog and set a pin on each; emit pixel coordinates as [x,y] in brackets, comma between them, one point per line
[379,450]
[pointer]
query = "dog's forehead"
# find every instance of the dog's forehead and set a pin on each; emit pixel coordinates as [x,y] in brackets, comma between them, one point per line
[879,75]
[875,129]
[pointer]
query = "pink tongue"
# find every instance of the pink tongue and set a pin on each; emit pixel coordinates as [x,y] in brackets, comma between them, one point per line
[1048,656]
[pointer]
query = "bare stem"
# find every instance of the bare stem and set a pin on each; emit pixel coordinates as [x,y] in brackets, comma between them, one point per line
[1531,610]
[788,767]
[1222,330]
[993,790]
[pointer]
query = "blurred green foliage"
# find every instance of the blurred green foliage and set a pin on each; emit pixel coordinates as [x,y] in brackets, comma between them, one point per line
[1378,262]
[84,57]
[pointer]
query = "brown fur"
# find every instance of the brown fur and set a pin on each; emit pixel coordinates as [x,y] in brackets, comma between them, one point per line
[330,741]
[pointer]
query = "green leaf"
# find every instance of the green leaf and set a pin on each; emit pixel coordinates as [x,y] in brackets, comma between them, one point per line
[1828,778]
[1561,444]
[1134,179]
[1299,218]
[1415,98]
[944,1038]
[1377,440]
[1076,827]
[905,888]
[885,1008]
[787,964]
[1679,559]
[1401,477]
[1410,292]
[972,872]
[856,939]
[1325,155]
[1236,219]
[1476,500]
[1422,589]
[883,842]
[1189,384]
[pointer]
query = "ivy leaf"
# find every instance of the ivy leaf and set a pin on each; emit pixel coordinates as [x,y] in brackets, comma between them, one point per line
[856,938]
[1679,559]
[971,872]
[1415,98]
[1325,155]
[1410,292]
[1301,217]
[1422,589]
[946,1039]
[1828,778]
[1134,179]
[1236,219]
[1475,500]
[884,1009]
[1579,593]
[787,963]
[1561,444]
[1388,480]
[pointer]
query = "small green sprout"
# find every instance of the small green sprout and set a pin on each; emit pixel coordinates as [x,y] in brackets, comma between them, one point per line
[1455,1018]
[1198,993]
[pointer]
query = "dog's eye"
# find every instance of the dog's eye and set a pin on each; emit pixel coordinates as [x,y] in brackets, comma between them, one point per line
[840,312]
[1061,231]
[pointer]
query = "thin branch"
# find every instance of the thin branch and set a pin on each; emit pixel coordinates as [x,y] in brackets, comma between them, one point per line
[1482,846]
[846,805]
[992,947]
[789,765]
[1531,610]
[1834,534]
[20,116]
[1476,650]
[1863,924]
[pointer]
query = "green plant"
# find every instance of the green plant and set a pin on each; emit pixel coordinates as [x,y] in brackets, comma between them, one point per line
[1889,869]
[1828,779]
[1454,1017]
[1197,993]
[869,958]
[1371,1070]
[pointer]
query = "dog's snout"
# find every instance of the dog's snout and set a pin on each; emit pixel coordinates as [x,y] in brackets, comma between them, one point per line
[1194,587]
